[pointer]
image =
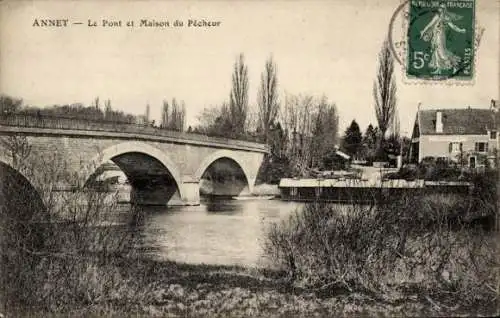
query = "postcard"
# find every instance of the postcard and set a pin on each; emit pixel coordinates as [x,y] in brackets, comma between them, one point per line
[249,158]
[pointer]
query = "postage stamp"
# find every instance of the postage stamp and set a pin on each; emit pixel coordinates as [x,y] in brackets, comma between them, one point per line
[440,40]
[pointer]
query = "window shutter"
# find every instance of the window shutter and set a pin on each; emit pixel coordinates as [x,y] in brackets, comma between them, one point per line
[461,148]
[476,146]
[450,147]
[485,147]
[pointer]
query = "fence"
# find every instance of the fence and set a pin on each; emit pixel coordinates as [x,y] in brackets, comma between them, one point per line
[45,122]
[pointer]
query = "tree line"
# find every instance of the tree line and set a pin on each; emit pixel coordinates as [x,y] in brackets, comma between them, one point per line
[173,117]
[376,144]
[301,130]
[366,146]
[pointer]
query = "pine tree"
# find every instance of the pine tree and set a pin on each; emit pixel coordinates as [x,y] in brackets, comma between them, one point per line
[352,140]
[165,115]
[370,142]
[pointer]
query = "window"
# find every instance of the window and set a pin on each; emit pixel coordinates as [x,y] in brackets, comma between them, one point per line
[493,134]
[472,162]
[481,147]
[455,147]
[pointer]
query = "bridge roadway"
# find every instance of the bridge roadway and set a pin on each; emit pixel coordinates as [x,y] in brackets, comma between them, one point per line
[158,163]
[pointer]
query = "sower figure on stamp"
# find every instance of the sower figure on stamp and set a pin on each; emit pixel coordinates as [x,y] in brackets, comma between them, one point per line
[435,31]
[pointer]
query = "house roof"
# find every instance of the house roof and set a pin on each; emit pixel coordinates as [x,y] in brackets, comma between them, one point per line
[464,121]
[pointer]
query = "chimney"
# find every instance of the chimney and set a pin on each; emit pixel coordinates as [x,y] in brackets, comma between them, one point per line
[439,122]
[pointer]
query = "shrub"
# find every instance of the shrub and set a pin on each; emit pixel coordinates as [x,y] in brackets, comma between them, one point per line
[273,169]
[55,244]
[415,245]
[407,172]
[431,169]
[484,191]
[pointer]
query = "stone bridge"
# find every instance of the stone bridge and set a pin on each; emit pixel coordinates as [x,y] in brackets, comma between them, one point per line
[158,163]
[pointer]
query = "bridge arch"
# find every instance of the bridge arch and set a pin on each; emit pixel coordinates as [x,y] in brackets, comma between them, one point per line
[220,154]
[18,192]
[124,148]
[6,160]
[7,170]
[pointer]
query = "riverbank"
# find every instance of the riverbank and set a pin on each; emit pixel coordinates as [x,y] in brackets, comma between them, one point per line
[414,257]
[140,287]
[166,289]
[263,190]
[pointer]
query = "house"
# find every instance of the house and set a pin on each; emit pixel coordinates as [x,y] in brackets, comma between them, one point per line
[468,136]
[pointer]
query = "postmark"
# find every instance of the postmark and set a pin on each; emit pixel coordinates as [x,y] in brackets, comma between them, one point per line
[440,40]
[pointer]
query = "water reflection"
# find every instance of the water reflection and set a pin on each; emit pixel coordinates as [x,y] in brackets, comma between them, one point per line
[216,232]
[216,205]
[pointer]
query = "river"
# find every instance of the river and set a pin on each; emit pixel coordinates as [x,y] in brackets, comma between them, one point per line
[223,232]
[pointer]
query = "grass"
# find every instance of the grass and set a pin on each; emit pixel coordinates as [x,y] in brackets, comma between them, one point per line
[149,288]
[114,285]
[423,247]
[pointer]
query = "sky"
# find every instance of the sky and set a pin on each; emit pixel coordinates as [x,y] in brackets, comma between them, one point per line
[320,47]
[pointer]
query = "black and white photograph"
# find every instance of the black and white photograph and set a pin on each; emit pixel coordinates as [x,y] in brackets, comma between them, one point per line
[324,158]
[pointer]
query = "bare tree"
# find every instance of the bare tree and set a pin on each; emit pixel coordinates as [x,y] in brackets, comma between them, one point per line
[174,118]
[165,115]
[17,148]
[107,109]
[52,237]
[147,113]
[288,118]
[177,117]
[9,105]
[207,118]
[297,119]
[395,125]
[96,102]
[325,131]
[182,117]
[238,101]
[310,130]
[384,90]
[252,123]
[268,98]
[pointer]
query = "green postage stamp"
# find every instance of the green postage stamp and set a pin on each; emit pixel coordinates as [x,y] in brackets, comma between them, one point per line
[441,39]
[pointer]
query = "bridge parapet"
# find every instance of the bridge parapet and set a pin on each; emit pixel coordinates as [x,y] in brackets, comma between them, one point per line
[12,122]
